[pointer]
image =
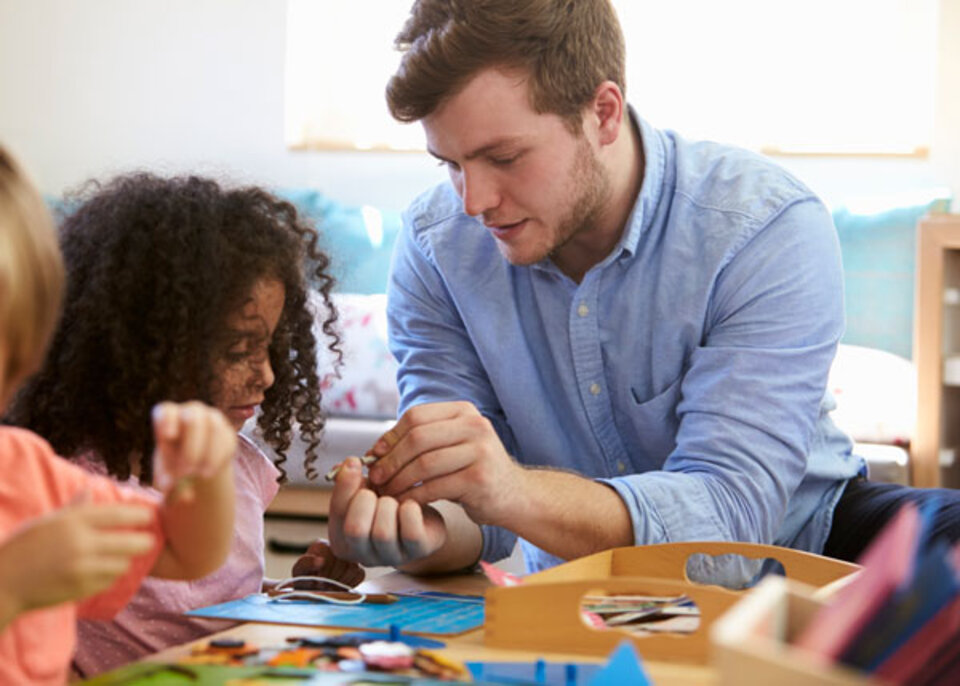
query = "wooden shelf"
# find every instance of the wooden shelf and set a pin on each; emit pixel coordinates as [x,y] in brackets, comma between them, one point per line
[301,501]
[938,403]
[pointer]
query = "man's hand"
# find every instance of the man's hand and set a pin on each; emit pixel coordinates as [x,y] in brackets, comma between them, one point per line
[377,530]
[70,554]
[319,560]
[449,451]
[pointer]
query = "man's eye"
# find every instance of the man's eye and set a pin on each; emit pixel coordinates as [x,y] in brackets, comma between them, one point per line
[504,161]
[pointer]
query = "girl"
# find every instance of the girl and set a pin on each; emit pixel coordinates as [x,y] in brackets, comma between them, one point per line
[181,288]
[66,534]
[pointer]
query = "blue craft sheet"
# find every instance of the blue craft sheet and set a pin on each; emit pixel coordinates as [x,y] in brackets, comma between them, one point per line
[423,614]
[532,673]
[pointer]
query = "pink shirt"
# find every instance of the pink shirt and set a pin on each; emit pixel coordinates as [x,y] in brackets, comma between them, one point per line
[153,620]
[36,647]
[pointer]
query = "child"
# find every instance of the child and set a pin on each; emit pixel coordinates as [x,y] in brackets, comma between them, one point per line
[66,534]
[181,288]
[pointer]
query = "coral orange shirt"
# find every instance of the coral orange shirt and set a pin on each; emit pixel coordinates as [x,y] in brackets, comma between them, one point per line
[37,646]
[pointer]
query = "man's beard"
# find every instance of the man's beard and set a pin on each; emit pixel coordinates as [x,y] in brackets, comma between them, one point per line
[593,186]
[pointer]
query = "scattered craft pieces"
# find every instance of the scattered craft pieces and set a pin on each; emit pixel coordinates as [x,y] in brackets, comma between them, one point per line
[386,655]
[498,577]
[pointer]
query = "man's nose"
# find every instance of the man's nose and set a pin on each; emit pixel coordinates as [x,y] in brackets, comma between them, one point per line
[480,192]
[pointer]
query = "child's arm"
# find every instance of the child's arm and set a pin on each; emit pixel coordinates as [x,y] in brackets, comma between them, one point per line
[195,447]
[71,553]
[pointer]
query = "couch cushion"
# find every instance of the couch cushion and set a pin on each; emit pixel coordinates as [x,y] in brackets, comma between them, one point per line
[876,394]
[358,240]
[878,244]
[367,384]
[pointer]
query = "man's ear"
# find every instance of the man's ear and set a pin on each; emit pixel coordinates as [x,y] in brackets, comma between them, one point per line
[608,110]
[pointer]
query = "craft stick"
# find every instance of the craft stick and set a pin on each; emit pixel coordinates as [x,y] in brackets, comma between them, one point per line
[332,474]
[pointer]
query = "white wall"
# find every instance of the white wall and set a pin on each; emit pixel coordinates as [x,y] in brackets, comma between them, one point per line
[93,87]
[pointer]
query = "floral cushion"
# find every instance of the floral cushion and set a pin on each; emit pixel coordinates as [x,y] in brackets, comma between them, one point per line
[367,383]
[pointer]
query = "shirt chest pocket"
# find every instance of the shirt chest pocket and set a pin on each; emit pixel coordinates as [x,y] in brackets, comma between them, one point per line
[655,423]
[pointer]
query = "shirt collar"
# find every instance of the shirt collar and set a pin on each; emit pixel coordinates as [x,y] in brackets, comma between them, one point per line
[645,208]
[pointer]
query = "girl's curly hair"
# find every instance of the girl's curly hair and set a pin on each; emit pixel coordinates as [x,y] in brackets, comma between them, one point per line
[155,266]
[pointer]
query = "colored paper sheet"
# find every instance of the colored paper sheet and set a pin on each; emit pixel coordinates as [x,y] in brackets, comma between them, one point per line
[888,564]
[442,614]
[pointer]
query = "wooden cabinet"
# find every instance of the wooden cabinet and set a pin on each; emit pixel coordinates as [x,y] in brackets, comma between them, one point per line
[935,451]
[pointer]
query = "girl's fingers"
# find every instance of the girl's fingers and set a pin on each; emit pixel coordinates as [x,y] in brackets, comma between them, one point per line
[194,438]
[384,534]
[413,534]
[357,525]
[348,481]
[166,425]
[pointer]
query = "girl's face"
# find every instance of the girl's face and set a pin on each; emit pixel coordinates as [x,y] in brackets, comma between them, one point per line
[243,372]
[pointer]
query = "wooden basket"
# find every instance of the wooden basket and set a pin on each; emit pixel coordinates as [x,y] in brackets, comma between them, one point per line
[543,613]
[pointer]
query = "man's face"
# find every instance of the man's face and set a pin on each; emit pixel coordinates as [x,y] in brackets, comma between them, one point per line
[534,183]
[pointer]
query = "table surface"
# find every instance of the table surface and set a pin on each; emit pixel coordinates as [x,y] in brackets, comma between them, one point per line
[466,647]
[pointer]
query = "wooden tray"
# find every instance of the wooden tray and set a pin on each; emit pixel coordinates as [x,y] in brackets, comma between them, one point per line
[543,613]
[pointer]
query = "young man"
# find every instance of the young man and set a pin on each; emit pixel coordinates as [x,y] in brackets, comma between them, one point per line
[607,335]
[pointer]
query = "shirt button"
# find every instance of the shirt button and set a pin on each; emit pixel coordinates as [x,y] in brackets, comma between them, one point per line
[595,389]
[621,466]
[583,310]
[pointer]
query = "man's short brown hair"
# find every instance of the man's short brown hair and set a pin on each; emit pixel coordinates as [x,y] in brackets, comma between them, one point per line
[567,47]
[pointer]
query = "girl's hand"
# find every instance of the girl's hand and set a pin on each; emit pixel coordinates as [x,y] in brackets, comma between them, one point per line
[378,530]
[193,441]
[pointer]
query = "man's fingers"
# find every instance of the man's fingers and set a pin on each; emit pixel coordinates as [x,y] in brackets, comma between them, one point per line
[434,437]
[432,465]
[418,416]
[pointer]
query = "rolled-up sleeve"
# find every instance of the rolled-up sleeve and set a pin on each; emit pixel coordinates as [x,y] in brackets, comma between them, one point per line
[750,399]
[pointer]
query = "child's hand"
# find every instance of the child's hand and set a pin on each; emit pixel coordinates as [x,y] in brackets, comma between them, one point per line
[193,441]
[319,560]
[193,466]
[69,554]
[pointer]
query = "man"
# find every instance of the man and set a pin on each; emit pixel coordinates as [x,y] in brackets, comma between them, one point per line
[607,335]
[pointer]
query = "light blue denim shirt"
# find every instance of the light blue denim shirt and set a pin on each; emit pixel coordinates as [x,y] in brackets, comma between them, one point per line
[687,370]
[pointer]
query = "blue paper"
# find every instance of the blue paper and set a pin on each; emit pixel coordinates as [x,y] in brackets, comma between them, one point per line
[411,614]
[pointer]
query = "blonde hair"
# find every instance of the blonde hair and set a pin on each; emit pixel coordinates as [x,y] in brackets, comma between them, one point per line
[31,274]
